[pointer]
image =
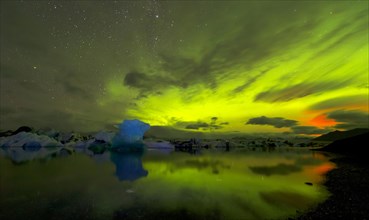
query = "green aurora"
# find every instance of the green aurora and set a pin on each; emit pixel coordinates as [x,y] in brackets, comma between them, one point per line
[207,66]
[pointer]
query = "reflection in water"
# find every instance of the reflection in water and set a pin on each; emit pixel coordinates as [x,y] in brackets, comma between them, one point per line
[279,169]
[287,169]
[25,154]
[32,146]
[214,185]
[128,165]
[286,199]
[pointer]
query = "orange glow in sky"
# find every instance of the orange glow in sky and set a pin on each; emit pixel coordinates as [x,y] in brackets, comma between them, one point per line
[322,121]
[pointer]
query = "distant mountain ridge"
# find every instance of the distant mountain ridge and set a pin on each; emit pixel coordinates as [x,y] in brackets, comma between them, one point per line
[339,135]
[356,145]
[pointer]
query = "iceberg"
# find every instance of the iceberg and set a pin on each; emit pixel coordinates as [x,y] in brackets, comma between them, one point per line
[27,140]
[130,134]
[104,136]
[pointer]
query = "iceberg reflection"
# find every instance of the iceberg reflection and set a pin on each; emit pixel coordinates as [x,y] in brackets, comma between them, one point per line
[128,165]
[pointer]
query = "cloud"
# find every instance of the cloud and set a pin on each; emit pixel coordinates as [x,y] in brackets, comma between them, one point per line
[299,91]
[203,126]
[249,82]
[277,122]
[151,83]
[216,127]
[187,71]
[145,81]
[308,130]
[340,102]
[349,119]
[197,126]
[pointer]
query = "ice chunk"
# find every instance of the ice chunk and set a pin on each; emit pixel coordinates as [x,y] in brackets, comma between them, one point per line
[130,133]
[49,132]
[69,137]
[32,146]
[27,139]
[159,144]
[104,136]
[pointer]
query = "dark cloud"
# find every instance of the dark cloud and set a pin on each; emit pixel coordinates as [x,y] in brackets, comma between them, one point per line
[187,71]
[349,119]
[308,130]
[340,102]
[216,127]
[249,82]
[299,91]
[277,122]
[140,80]
[197,126]
[147,83]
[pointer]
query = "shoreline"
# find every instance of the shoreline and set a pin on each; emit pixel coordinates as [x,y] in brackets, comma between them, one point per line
[349,188]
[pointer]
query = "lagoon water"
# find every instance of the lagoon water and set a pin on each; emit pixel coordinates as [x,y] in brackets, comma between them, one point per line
[240,184]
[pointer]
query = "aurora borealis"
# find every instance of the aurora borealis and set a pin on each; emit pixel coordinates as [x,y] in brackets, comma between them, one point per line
[208,66]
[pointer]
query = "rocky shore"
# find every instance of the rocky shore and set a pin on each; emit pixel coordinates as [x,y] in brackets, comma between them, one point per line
[349,186]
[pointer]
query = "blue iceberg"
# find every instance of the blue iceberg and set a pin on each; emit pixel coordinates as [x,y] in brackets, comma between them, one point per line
[130,134]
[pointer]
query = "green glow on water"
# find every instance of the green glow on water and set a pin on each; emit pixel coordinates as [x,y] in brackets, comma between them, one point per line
[246,185]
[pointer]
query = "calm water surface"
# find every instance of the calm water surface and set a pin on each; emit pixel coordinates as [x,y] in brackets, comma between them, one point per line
[241,184]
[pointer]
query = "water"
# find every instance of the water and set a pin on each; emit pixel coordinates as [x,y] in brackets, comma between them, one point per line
[241,184]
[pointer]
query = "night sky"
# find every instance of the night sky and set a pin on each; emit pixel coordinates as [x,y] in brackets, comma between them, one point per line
[222,66]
